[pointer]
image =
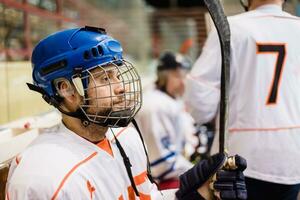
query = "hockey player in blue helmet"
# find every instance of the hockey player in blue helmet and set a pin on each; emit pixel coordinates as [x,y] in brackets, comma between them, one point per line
[73,57]
[93,154]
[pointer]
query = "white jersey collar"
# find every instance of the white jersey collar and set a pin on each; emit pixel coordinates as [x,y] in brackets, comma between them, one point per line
[269,8]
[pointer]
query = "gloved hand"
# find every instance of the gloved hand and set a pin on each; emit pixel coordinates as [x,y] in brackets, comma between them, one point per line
[228,182]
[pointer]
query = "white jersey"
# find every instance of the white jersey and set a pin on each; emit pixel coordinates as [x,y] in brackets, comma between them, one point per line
[264,97]
[164,123]
[62,165]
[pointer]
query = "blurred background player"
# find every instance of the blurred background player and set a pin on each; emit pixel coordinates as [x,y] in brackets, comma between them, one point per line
[264,108]
[93,153]
[164,122]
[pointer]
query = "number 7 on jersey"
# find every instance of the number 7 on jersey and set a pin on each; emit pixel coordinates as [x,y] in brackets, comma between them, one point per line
[280,50]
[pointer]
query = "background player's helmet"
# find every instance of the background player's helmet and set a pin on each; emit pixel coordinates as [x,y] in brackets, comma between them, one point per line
[72,54]
[169,60]
[168,63]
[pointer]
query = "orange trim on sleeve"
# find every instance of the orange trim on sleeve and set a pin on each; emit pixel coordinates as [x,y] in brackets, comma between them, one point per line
[263,129]
[70,172]
[105,145]
[141,178]
[121,198]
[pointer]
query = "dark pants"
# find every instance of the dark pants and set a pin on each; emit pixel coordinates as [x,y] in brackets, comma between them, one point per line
[261,190]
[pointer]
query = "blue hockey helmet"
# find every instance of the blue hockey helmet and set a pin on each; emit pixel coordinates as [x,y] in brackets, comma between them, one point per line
[72,51]
[72,54]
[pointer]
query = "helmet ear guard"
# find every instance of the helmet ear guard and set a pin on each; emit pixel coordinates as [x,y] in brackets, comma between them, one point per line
[63,92]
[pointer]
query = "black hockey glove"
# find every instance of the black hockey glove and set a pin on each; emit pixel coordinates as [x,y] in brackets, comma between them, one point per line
[228,180]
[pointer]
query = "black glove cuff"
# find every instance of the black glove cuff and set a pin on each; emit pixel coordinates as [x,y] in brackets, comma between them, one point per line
[200,173]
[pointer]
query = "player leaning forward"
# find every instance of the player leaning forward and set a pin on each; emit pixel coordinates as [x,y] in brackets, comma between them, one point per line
[93,153]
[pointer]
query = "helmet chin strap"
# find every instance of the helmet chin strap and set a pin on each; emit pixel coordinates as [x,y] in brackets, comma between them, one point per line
[79,114]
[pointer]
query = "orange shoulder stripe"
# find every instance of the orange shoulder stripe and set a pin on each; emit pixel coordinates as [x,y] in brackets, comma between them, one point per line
[70,172]
[141,178]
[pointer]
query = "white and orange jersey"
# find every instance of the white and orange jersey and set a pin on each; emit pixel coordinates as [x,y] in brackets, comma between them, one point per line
[164,124]
[62,165]
[264,97]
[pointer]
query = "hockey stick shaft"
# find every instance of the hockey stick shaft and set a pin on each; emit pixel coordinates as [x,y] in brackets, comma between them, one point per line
[220,20]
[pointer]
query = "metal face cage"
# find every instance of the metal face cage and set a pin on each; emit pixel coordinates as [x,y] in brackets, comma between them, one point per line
[113,93]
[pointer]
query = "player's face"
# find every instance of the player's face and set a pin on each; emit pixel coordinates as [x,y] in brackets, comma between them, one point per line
[106,91]
[175,82]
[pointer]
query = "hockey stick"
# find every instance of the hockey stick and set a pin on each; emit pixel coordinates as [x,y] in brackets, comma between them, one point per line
[220,20]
